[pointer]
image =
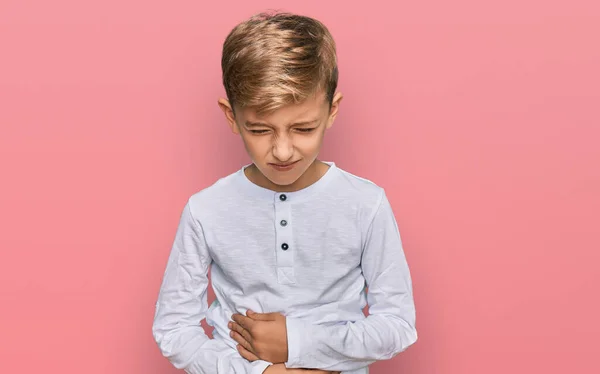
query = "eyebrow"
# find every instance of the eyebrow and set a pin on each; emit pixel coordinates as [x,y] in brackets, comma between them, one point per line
[256,124]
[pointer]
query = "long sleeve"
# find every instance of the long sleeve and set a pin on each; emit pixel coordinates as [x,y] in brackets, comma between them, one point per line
[390,326]
[182,304]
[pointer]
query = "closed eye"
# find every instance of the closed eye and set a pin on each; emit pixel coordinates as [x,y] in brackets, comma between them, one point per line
[302,130]
[307,129]
[258,132]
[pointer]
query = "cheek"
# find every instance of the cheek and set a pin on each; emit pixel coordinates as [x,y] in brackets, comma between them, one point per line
[257,145]
[311,143]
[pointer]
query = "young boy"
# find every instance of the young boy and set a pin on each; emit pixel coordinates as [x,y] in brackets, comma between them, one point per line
[292,242]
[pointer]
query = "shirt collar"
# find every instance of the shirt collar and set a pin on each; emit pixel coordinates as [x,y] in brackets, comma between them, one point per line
[267,194]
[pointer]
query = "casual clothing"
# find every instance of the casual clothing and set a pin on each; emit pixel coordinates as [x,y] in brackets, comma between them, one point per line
[308,254]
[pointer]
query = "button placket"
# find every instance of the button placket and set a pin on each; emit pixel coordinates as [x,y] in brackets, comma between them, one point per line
[284,246]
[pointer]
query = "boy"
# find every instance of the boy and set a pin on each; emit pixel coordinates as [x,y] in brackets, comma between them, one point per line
[292,242]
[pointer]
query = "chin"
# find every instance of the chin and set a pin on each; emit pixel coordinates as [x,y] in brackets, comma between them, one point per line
[282,180]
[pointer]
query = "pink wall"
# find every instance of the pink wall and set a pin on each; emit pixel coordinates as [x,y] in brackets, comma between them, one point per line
[481,120]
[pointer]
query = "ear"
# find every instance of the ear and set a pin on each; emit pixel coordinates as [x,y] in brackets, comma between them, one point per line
[335,106]
[228,111]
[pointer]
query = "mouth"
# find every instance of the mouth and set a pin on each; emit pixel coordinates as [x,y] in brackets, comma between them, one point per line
[285,166]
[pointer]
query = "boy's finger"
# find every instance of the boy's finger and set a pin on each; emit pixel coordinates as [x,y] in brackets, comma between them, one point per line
[243,332]
[243,321]
[246,354]
[240,339]
[235,327]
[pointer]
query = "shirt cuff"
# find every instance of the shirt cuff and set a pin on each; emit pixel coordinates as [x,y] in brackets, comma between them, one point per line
[295,333]
[260,366]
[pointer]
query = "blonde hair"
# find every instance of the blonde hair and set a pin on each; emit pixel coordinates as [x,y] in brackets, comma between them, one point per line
[272,60]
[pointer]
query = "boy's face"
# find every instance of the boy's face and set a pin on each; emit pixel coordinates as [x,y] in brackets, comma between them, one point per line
[284,145]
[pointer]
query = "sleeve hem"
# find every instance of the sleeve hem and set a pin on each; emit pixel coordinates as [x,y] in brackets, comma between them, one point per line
[260,367]
[294,342]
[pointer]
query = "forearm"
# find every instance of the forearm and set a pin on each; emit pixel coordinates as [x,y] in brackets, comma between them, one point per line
[347,347]
[187,347]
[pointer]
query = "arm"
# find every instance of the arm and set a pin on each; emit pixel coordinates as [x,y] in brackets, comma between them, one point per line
[390,326]
[182,304]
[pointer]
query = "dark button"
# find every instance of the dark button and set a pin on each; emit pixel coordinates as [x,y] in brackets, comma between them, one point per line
[282,197]
[283,222]
[284,246]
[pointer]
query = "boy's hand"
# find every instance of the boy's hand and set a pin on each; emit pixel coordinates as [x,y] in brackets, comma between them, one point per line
[281,369]
[260,336]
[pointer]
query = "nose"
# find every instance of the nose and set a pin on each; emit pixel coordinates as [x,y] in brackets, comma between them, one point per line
[283,149]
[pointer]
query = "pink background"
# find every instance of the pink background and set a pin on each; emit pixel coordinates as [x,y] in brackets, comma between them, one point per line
[481,119]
